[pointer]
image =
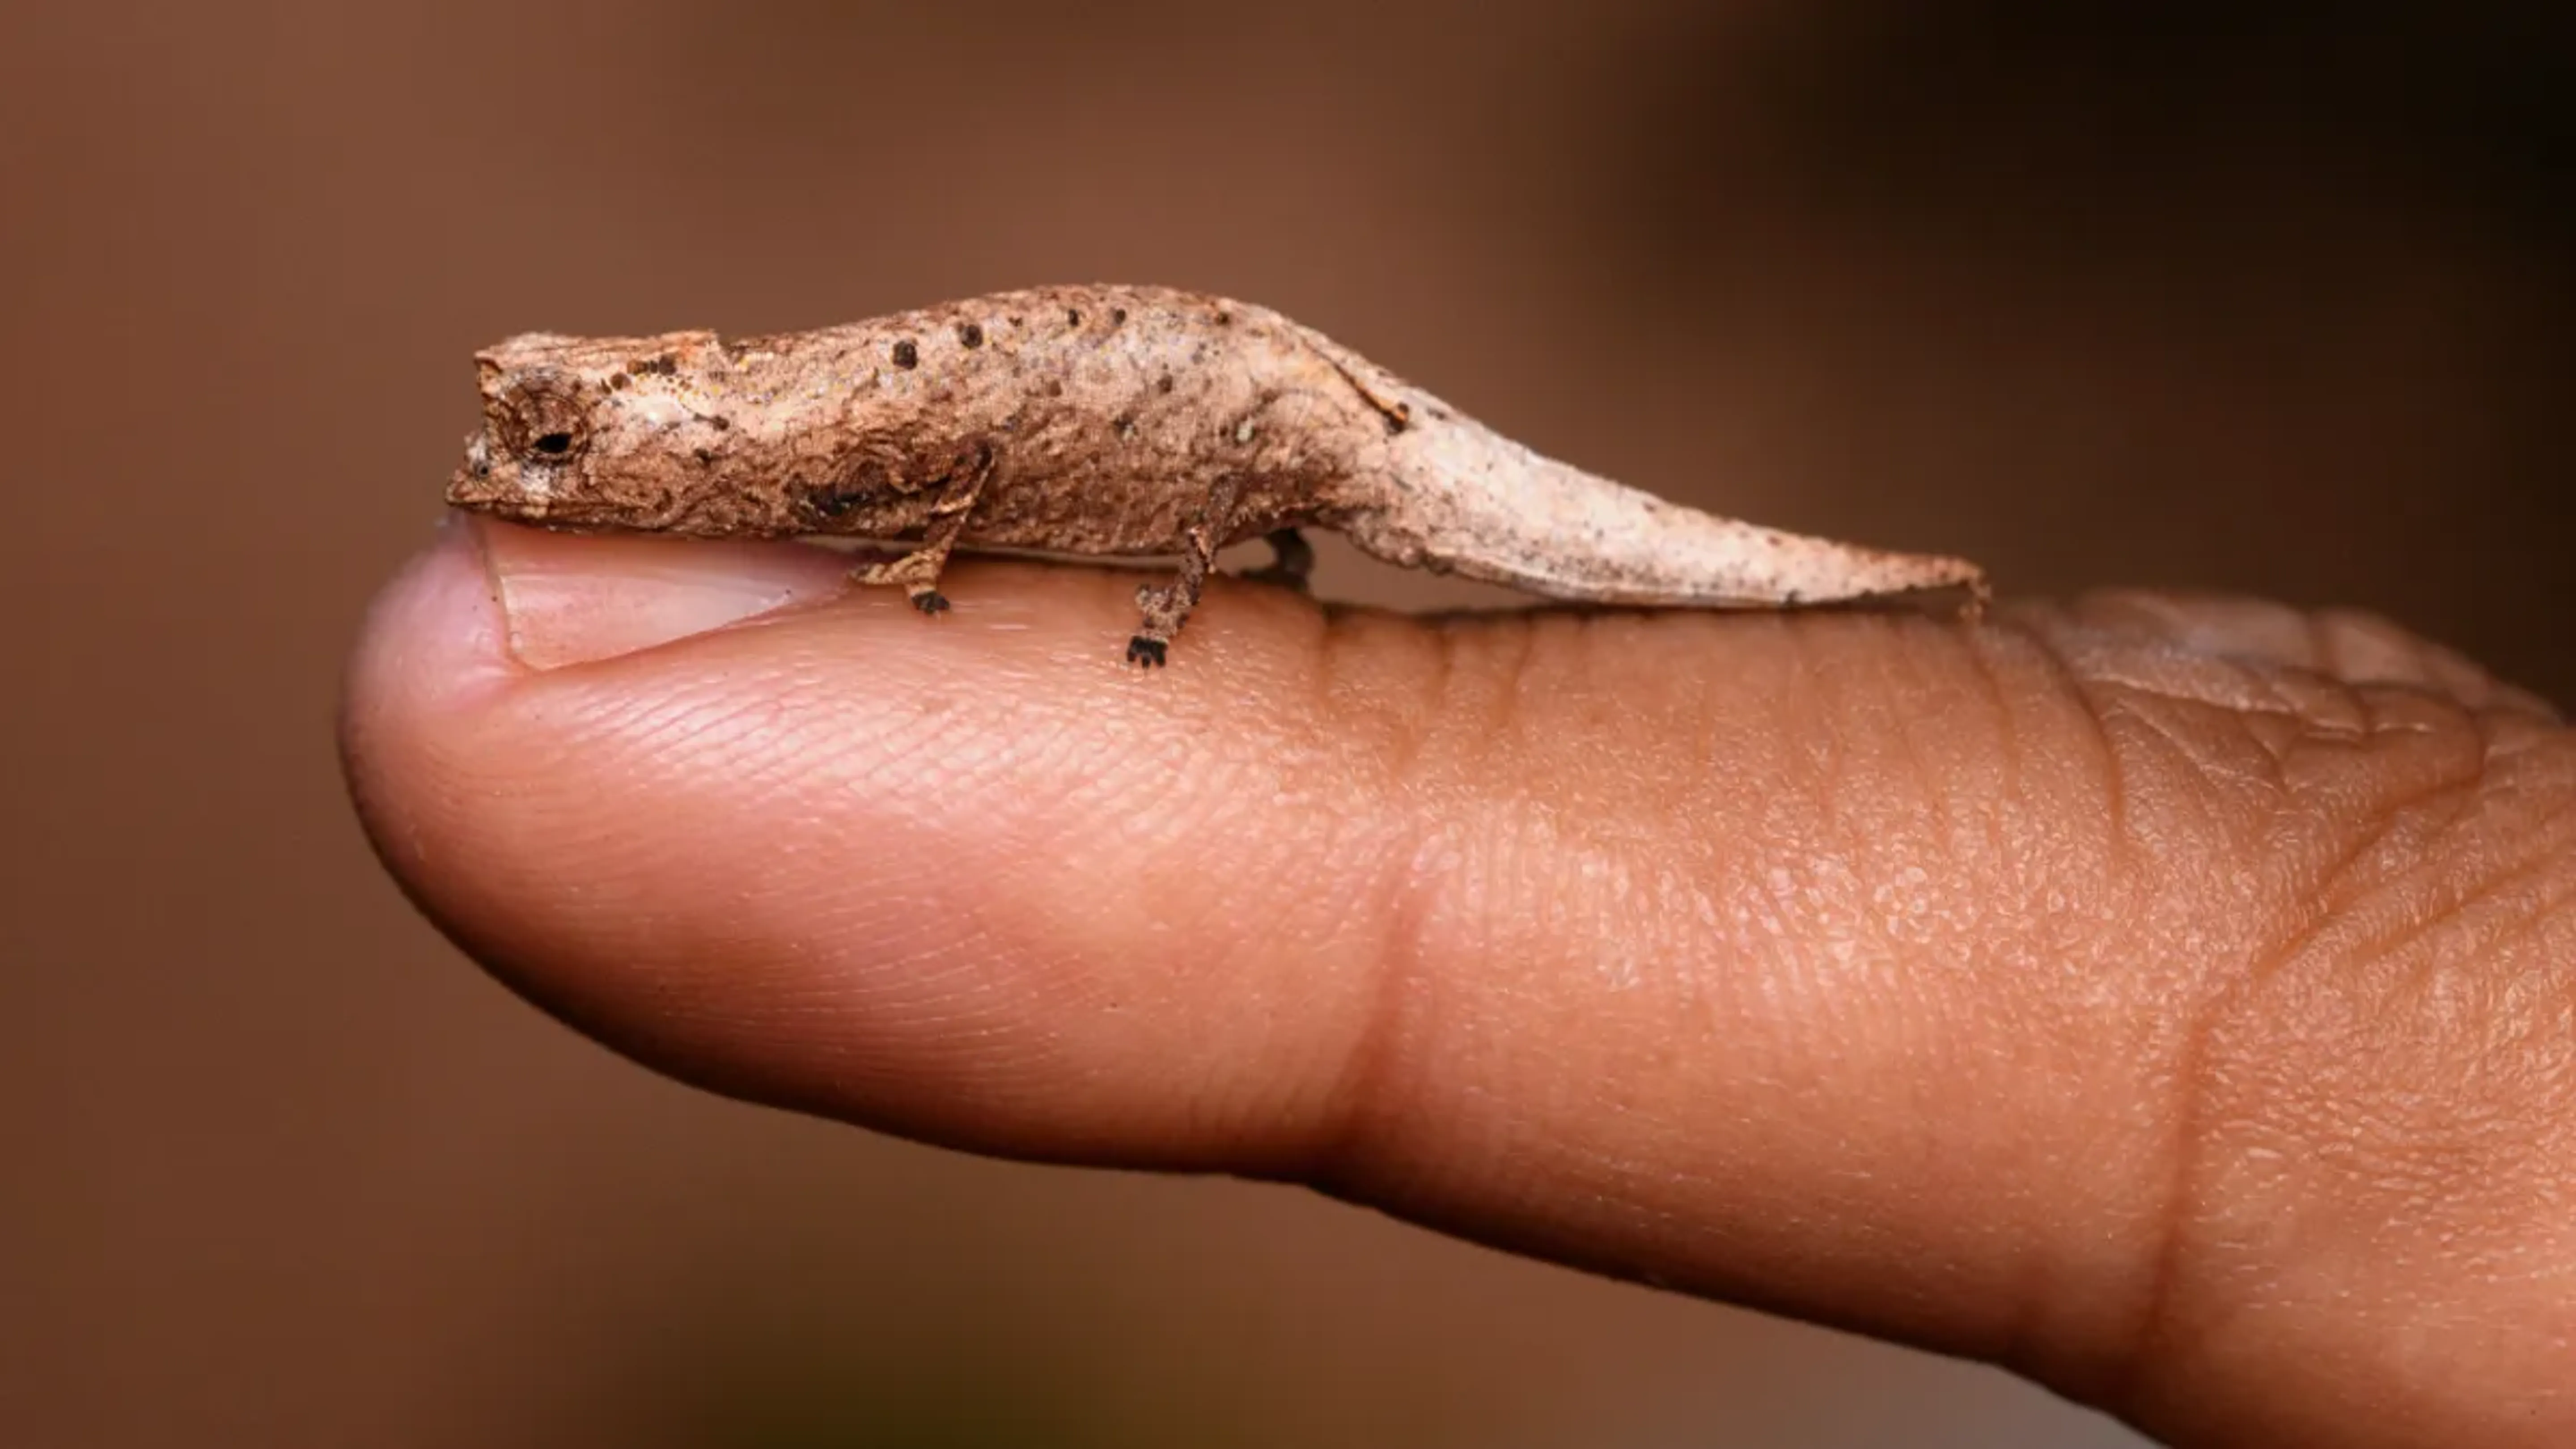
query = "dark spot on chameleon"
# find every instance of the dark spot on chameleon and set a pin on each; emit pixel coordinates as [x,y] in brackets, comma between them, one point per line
[1016,322]
[1163,383]
[1073,316]
[705,456]
[662,366]
[831,500]
[619,382]
[1789,597]
[906,355]
[719,422]
[553,445]
[970,334]
[1117,316]
[1055,387]
[1124,424]
[1224,318]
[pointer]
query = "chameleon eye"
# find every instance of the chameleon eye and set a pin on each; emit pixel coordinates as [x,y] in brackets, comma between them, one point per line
[540,416]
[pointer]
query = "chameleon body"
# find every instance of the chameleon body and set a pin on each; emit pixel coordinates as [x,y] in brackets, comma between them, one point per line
[1101,421]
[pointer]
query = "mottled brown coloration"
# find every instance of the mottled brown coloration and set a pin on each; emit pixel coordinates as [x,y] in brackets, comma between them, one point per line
[1102,421]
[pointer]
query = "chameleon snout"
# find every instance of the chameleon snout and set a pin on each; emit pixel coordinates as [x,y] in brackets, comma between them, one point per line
[481,485]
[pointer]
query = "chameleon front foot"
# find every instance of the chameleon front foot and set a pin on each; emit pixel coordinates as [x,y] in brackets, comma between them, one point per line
[1146,652]
[929,601]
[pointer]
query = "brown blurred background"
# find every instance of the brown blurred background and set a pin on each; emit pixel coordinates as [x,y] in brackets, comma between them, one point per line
[2261,296]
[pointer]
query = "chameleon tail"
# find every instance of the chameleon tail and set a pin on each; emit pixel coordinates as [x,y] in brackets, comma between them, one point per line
[1478,504]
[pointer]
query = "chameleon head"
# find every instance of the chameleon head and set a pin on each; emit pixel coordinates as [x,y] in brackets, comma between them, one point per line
[588,432]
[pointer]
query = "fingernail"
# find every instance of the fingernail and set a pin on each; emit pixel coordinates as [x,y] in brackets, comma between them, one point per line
[571,599]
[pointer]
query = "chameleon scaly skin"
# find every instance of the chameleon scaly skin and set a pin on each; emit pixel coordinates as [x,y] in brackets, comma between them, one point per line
[1107,421]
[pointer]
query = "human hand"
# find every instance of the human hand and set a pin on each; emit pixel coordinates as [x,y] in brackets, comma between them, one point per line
[2167,1001]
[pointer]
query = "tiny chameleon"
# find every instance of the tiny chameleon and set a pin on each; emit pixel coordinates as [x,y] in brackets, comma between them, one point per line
[1106,422]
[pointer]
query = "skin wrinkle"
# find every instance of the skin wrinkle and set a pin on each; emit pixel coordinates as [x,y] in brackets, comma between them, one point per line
[2453,911]
[2093,716]
[2426,811]
[1346,672]
[2329,907]
[1980,654]
[1411,725]
[2124,1378]
[2129,1376]
[1381,892]
[2300,705]
[1353,1146]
